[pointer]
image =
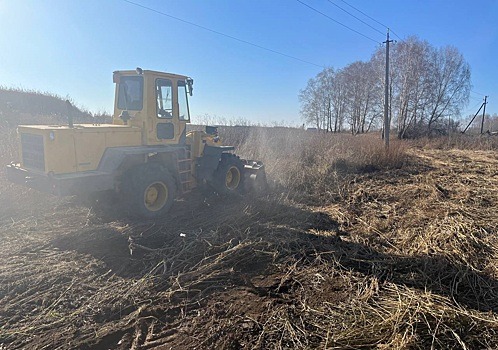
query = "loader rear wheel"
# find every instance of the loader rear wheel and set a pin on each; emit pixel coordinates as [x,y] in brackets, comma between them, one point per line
[151,192]
[229,176]
[156,196]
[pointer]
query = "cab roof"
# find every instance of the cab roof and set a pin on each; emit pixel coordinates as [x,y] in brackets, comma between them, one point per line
[149,72]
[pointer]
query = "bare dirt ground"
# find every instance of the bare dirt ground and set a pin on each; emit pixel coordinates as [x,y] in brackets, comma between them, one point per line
[406,259]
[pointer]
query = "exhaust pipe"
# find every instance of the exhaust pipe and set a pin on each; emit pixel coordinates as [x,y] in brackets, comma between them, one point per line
[69,114]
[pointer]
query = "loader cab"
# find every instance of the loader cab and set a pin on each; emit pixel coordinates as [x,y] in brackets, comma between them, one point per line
[155,102]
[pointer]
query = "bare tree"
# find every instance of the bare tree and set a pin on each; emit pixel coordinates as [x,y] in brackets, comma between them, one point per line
[428,86]
[316,100]
[339,101]
[363,96]
[411,84]
[311,104]
[450,86]
[326,81]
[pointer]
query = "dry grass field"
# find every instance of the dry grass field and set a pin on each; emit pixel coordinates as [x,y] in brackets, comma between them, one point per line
[351,248]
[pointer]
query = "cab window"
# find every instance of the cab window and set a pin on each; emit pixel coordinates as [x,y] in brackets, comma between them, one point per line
[183,102]
[164,93]
[130,93]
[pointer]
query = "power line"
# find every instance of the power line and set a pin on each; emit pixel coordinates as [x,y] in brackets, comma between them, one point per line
[373,19]
[342,24]
[363,13]
[472,108]
[477,93]
[359,19]
[222,34]
[474,98]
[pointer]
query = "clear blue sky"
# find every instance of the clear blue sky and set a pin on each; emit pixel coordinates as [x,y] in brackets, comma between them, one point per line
[71,47]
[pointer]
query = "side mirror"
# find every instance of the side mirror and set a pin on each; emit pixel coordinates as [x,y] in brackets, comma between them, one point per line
[116,78]
[125,116]
[190,84]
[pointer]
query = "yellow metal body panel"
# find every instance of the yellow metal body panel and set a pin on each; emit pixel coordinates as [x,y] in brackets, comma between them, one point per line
[89,147]
[80,148]
[194,139]
[198,139]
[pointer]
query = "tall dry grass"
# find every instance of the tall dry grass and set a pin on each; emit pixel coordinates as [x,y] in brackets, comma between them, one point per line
[9,149]
[483,142]
[313,164]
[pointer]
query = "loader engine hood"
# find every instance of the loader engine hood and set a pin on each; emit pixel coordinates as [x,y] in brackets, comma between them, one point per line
[60,149]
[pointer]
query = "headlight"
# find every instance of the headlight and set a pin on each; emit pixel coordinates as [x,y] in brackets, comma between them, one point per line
[51,136]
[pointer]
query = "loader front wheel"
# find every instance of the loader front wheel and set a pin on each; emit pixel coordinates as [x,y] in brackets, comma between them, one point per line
[229,176]
[152,192]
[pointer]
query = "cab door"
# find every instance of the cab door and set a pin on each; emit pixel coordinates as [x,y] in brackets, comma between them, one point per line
[171,112]
[166,116]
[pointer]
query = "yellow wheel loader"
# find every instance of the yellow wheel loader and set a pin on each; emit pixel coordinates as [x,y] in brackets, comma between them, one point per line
[145,155]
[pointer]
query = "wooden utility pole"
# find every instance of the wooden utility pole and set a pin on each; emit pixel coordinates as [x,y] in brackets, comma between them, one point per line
[387,121]
[472,120]
[483,113]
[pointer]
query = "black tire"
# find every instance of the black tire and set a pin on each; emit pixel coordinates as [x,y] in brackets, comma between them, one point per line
[149,191]
[228,179]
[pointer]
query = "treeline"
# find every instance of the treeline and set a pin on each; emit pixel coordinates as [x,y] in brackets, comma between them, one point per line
[490,124]
[215,120]
[428,88]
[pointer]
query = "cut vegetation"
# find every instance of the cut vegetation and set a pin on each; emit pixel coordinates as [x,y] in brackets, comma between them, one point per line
[352,248]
